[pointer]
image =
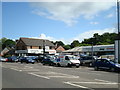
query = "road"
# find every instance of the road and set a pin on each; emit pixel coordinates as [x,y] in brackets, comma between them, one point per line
[17,75]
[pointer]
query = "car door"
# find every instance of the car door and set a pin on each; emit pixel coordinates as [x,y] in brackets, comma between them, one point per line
[106,64]
[100,63]
[66,61]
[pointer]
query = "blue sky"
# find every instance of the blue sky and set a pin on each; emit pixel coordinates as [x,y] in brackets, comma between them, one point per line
[57,21]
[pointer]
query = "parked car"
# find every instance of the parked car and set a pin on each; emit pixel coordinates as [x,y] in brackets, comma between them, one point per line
[34,58]
[27,60]
[2,59]
[106,64]
[87,60]
[12,59]
[67,60]
[48,60]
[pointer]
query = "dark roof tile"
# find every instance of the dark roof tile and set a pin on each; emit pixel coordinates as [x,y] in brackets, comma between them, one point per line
[36,42]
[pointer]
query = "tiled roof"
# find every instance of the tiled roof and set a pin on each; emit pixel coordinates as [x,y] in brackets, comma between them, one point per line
[36,42]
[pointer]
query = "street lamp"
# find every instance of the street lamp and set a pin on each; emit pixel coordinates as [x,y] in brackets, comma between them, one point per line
[92,51]
[44,47]
[118,11]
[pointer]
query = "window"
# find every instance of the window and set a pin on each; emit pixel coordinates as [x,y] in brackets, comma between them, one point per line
[30,47]
[50,47]
[66,58]
[40,47]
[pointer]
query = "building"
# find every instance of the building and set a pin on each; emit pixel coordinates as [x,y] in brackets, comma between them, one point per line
[59,49]
[32,46]
[97,50]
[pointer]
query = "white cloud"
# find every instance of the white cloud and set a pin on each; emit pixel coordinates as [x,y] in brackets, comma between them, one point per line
[69,12]
[80,37]
[109,15]
[94,23]
[90,33]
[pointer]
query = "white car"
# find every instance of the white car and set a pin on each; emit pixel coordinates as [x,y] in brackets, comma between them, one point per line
[67,60]
[3,59]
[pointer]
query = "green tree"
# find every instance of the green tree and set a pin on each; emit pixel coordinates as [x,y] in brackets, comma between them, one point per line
[8,43]
[66,47]
[104,39]
[75,43]
[59,43]
[2,40]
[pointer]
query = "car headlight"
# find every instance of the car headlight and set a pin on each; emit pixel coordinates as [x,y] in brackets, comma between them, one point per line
[117,65]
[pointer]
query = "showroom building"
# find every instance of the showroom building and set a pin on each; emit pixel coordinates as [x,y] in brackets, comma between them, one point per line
[96,50]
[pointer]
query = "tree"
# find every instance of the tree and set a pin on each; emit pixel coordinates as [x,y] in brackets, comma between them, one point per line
[75,43]
[8,43]
[66,47]
[59,43]
[2,40]
[104,39]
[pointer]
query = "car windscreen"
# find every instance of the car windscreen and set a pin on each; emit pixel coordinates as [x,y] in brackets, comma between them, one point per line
[86,58]
[72,58]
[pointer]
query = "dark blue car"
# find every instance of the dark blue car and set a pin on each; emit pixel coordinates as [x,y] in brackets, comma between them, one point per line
[48,60]
[12,59]
[106,64]
[27,60]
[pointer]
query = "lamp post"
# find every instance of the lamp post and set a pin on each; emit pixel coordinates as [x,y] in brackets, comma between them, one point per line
[44,47]
[92,51]
[118,11]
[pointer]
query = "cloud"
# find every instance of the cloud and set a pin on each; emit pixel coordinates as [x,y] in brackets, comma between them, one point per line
[69,12]
[94,23]
[80,37]
[109,15]
[90,33]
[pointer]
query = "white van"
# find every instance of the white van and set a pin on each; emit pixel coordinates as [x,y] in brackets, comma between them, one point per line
[68,60]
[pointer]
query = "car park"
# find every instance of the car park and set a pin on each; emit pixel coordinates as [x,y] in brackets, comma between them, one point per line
[67,60]
[106,64]
[27,60]
[2,59]
[12,59]
[34,58]
[87,60]
[48,60]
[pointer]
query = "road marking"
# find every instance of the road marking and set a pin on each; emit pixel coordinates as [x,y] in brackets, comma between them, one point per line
[15,69]
[105,83]
[101,80]
[64,76]
[30,69]
[28,66]
[78,85]
[39,75]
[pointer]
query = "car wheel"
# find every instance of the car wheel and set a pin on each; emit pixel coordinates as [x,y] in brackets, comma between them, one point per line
[96,68]
[112,69]
[43,63]
[33,63]
[69,65]
[58,65]
[77,66]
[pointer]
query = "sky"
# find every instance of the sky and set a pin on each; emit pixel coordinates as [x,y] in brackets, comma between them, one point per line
[65,21]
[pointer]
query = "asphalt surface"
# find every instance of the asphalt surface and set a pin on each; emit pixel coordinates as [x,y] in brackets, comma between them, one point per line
[17,75]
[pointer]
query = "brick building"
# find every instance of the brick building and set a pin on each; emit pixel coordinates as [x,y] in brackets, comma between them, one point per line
[31,46]
[60,49]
